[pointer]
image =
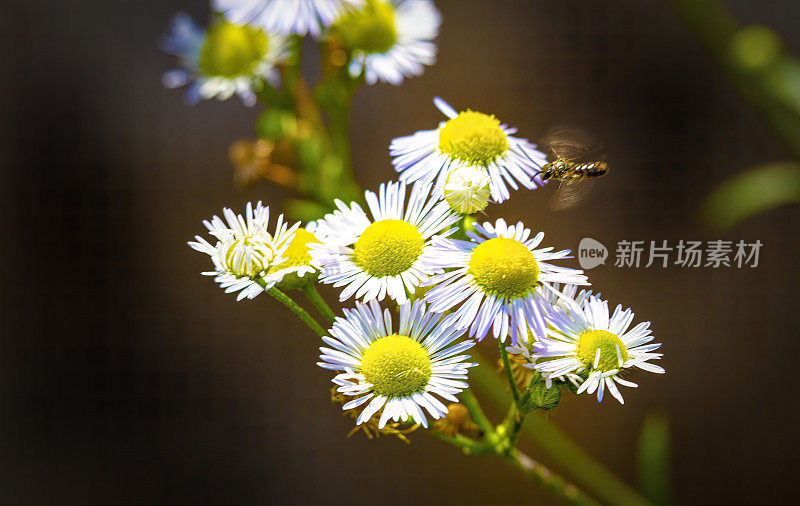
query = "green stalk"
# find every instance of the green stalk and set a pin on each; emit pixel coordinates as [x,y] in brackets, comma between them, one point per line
[339,175]
[475,412]
[467,445]
[585,469]
[313,295]
[512,385]
[339,124]
[305,106]
[294,308]
[553,483]
[533,471]
[512,426]
[334,95]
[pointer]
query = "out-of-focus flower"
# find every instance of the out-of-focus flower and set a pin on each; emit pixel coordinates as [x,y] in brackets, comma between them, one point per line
[400,430]
[470,138]
[499,276]
[388,255]
[389,39]
[457,422]
[246,256]
[286,17]
[584,340]
[253,161]
[467,189]
[224,60]
[397,372]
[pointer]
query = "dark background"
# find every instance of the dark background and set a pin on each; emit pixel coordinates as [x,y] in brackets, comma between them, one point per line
[128,378]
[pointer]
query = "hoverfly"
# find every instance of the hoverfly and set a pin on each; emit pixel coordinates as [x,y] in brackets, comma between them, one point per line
[575,165]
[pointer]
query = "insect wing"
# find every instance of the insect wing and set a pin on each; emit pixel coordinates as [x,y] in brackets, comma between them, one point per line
[570,193]
[571,144]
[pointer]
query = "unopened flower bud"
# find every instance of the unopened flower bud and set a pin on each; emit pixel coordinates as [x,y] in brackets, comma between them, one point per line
[467,189]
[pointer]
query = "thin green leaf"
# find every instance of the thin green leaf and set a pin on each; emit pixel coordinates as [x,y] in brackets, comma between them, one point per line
[653,459]
[753,192]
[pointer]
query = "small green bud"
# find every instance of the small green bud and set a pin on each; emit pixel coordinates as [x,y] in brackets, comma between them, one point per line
[468,222]
[539,396]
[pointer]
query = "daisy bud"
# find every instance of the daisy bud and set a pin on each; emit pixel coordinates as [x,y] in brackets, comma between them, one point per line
[539,396]
[244,254]
[467,190]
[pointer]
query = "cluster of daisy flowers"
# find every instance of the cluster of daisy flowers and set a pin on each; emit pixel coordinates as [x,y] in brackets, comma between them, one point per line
[415,255]
[248,42]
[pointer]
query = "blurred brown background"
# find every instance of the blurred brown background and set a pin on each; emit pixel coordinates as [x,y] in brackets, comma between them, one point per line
[128,378]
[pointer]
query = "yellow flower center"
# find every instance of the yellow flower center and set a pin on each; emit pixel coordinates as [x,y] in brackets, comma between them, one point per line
[504,268]
[297,254]
[231,50]
[371,29]
[474,138]
[593,340]
[397,366]
[388,248]
[248,256]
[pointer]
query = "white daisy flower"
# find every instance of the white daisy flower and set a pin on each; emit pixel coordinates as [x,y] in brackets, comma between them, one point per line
[286,17]
[389,40]
[226,59]
[566,296]
[388,254]
[467,189]
[524,350]
[562,298]
[246,257]
[399,372]
[586,341]
[471,138]
[500,277]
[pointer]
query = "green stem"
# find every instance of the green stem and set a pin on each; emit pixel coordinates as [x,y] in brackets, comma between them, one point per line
[339,123]
[291,70]
[555,484]
[304,104]
[586,470]
[475,412]
[511,428]
[294,308]
[467,445]
[313,295]
[513,422]
[334,96]
[340,175]
[509,373]
[534,471]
